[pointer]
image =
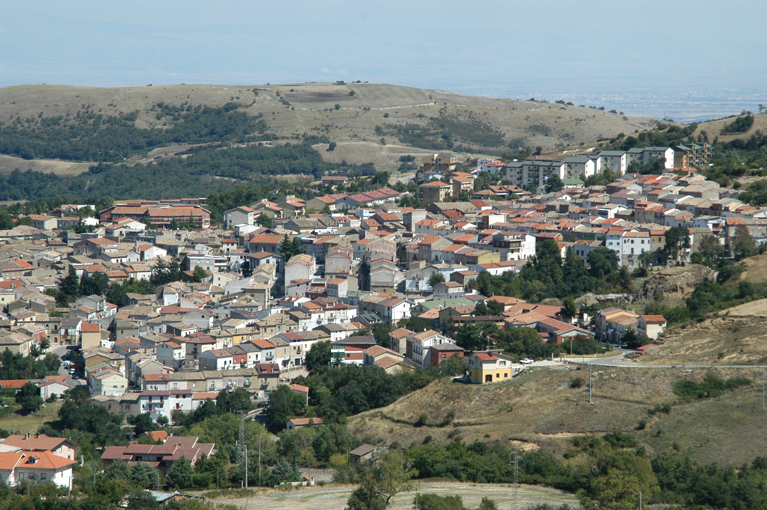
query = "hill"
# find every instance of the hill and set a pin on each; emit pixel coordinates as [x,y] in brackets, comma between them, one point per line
[390,120]
[713,128]
[543,410]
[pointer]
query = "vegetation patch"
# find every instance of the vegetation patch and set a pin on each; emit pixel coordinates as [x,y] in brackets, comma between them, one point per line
[711,386]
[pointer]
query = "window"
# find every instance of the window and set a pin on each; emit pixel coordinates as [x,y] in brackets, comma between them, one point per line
[43,476]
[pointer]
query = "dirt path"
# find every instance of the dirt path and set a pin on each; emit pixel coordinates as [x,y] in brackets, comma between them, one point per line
[335,497]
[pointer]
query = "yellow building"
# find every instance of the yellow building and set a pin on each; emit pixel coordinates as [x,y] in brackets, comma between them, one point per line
[490,367]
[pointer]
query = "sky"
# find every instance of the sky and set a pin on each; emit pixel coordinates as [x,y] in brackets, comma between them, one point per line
[627,51]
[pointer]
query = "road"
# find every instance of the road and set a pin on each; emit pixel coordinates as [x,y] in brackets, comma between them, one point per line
[620,361]
[60,350]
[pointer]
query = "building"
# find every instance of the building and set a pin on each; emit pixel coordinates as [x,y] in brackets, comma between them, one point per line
[489,367]
[651,326]
[160,215]
[297,423]
[35,467]
[435,191]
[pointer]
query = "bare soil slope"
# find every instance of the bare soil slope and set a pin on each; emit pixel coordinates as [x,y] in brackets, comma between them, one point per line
[541,409]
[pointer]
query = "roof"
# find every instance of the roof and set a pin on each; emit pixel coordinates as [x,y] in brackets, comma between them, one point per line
[306,421]
[36,442]
[654,318]
[362,450]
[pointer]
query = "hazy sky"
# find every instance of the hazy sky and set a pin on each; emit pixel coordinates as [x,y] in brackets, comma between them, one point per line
[505,48]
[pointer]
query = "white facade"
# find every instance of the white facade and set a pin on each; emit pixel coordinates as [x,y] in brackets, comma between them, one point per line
[629,246]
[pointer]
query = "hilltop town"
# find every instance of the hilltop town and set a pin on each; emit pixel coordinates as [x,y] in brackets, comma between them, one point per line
[157,310]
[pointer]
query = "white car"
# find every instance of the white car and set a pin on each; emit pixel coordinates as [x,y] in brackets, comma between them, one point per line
[526,361]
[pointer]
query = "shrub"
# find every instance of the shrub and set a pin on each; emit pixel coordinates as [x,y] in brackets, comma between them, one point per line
[577,382]
[712,386]
[448,419]
[620,439]
[422,420]
[642,424]
[662,408]
[427,440]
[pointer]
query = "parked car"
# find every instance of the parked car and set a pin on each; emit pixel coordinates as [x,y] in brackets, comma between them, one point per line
[526,361]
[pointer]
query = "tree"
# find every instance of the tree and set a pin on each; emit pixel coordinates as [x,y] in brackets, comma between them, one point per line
[283,471]
[554,184]
[494,307]
[264,220]
[381,332]
[234,401]
[142,500]
[318,356]
[602,262]
[283,404]
[118,470]
[145,476]
[480,309]
[290,248]
[69,288]
[181,473]
[743,245]
[710,248]
[199,273]
[677,239]
[474,337]
[436,278]
[6,222]
[569,309]
[435,502]
[141,423]
[380,480]
[29,397]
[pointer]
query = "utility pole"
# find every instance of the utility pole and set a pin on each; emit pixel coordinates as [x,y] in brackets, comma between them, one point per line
[259,461]
[246,466]
[640,501]
[590,401]
[762,387]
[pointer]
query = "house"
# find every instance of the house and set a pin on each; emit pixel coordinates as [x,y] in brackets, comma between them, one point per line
[361,453]
[107,381]
[435,191]
[651,326]
[161,456]
[297,423]
[239,216]
[216,359]
[35,467]
[441,352]
[489,367]
[61,446]
[90,335]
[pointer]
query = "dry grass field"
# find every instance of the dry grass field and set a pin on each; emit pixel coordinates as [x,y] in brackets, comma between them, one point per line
[334,497]
[9,163]
[30,422]
[293,110]
[714,127]
[541,410]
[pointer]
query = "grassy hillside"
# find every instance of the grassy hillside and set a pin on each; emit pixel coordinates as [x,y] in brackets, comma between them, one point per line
[407,118]
[542,410]
[713,128]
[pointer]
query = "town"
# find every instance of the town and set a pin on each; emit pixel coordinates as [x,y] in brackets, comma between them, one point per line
[157,310]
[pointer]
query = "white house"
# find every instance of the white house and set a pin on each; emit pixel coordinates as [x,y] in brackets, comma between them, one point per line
[629,246]
[216,359]
[35,467]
